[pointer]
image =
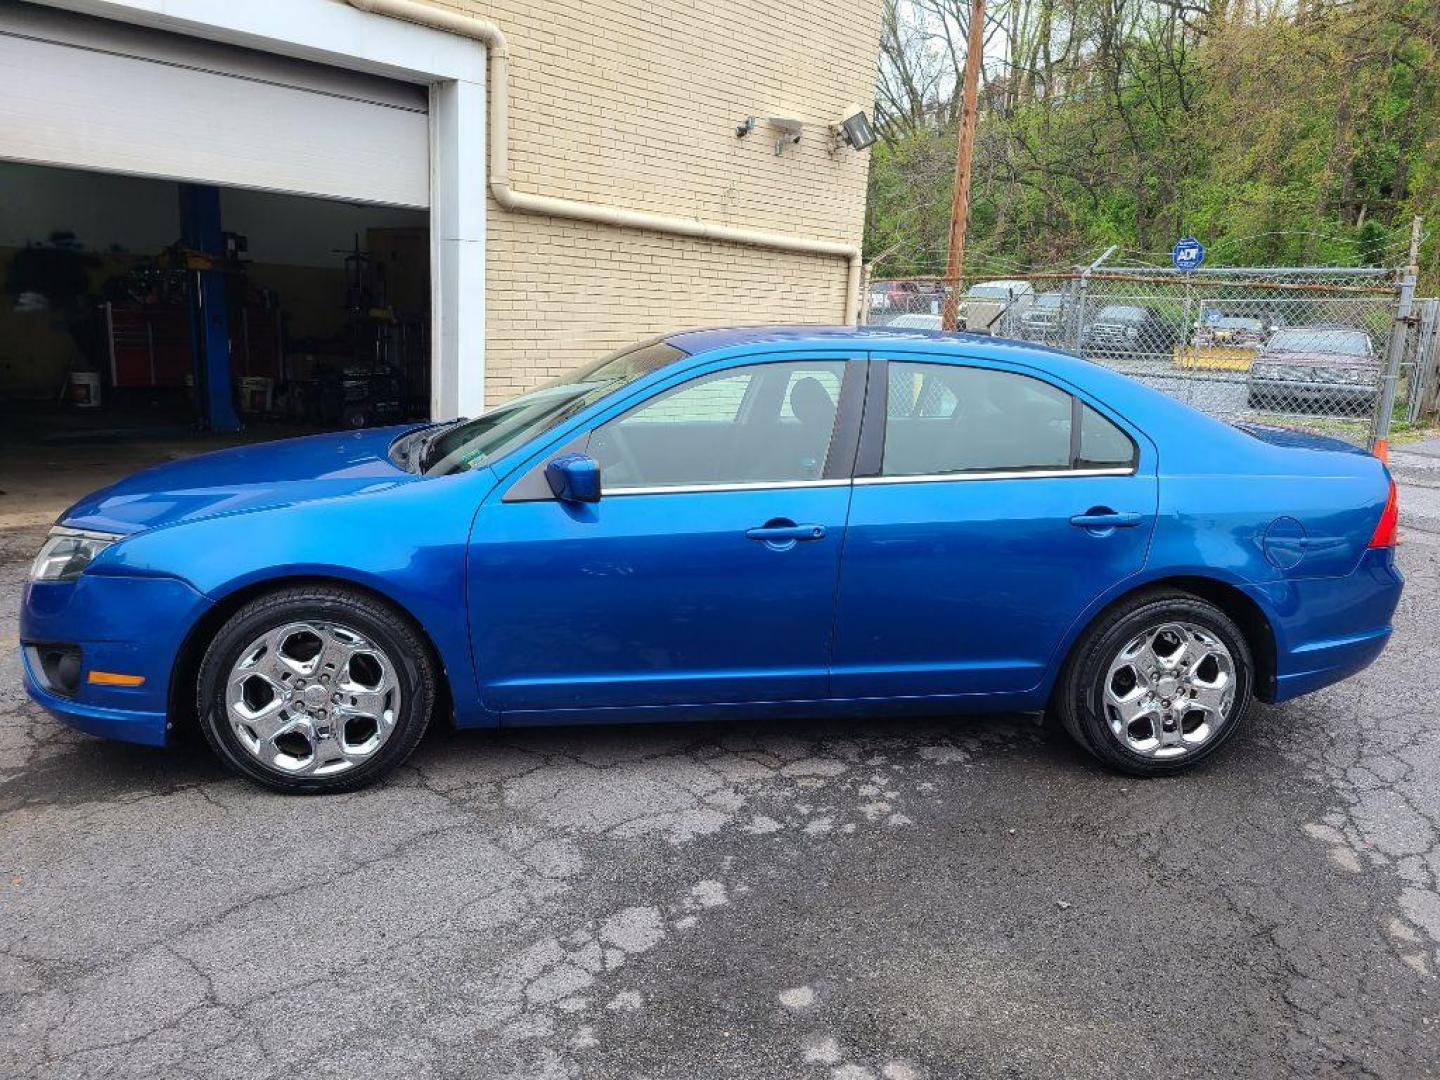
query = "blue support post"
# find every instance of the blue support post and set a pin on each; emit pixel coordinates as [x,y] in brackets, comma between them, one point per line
[209,308]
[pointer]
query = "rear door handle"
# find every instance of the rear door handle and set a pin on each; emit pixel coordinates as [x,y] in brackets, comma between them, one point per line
[1107,519]
[780,534]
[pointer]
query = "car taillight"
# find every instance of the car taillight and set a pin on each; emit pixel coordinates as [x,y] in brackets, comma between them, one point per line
[1387,533]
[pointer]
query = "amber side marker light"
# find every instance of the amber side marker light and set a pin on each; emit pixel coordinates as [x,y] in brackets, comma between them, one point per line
[111,678]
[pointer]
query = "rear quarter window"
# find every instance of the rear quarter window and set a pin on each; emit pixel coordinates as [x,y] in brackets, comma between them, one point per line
[1102,444]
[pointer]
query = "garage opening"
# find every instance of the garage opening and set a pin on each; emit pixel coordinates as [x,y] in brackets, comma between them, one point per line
[142,308]
[200,244]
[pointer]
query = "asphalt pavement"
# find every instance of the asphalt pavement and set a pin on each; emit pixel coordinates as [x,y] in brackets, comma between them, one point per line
[873,900]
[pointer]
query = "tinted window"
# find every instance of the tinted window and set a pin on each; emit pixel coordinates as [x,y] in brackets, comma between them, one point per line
[827,377]
[715,400]
[920,390]
[756,424]
[1102,444]
[945,418]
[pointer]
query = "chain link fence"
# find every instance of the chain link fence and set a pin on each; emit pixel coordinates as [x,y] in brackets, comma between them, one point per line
[1299,346]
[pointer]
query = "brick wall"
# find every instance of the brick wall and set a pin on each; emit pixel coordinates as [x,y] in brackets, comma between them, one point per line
[634,103]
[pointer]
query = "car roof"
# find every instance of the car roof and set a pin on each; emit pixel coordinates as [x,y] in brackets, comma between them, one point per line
[892,339]
[828,337]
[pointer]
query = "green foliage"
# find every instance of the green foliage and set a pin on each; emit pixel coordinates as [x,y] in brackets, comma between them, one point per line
[1309,133]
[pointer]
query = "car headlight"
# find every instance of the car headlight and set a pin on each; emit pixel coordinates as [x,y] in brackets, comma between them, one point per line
[67,552]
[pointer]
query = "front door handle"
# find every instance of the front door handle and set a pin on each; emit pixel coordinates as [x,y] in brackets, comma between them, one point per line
[783,532]
[1102,518]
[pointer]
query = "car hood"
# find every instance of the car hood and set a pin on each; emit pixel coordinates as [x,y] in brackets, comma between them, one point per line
[244,478]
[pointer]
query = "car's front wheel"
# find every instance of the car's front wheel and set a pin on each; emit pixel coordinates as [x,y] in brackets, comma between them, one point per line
[1158,684]
[315,689]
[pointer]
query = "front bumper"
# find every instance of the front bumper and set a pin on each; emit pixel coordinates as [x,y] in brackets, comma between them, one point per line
[128,625]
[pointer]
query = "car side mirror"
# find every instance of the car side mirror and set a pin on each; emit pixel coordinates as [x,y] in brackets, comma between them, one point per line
[574,478]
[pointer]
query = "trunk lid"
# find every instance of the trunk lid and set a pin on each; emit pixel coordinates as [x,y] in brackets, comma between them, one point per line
[1295,439]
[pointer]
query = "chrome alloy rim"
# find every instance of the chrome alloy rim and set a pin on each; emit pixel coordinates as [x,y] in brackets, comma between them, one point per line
[312,698]
[1169,690]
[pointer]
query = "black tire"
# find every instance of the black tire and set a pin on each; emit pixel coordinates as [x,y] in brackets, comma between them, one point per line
[1078,700]
[388,630]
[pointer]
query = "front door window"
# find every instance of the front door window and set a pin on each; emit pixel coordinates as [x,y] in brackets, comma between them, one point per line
[765,423]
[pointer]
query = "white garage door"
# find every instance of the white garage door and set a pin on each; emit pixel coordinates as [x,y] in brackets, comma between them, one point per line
[92,94]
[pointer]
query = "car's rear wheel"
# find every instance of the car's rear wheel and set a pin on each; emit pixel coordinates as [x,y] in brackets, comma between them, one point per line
[1158,684]
[315,689]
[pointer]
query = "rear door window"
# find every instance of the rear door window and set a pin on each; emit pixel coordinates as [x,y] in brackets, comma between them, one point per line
[946,418]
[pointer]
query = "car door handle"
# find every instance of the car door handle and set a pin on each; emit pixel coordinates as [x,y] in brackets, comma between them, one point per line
[777,533]
[1107,519]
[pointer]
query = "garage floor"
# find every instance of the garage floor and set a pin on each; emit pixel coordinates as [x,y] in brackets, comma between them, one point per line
[40,478]
[862,901]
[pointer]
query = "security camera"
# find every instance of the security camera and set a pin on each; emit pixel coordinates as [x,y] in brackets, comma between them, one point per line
[854,130]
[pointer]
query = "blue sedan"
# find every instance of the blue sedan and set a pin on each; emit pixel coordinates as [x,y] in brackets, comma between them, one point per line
[762,522]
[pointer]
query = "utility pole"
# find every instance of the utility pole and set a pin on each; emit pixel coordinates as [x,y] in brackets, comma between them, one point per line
[1399,333]
[964,150]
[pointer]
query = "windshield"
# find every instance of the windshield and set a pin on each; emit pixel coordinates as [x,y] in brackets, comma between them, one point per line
[1049,300]
[1343,342]
[473,443]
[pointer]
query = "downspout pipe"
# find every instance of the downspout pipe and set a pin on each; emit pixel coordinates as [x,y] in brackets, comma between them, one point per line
[498,53]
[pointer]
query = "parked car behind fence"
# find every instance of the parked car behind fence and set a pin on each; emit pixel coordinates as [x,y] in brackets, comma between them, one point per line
[988,305]
[1323,369]
[1122,330]
[1232,330]
[1045,320]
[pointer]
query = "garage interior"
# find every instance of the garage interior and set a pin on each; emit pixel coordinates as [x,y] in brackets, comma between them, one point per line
[136,307]
[200,245]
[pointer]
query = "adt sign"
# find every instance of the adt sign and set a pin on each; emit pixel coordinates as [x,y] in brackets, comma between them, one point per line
[1188,254]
